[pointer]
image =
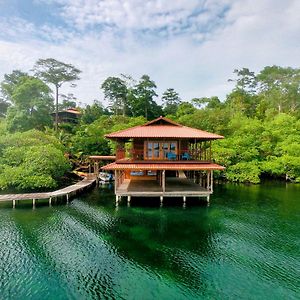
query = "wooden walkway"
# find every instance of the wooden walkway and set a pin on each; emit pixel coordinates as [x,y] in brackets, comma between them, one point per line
[67,192]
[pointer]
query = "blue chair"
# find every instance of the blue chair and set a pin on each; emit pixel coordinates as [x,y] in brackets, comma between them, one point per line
[171,156]
[185,156]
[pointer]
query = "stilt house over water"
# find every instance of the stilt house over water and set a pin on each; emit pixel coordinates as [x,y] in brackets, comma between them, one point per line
[163,159]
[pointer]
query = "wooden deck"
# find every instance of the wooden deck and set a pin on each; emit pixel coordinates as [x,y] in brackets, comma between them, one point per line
[175,187]
[65,192]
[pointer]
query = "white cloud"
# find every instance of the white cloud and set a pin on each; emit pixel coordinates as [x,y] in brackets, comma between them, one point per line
[137,14]
[252,33]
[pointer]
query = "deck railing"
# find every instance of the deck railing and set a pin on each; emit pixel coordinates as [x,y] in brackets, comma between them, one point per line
[182,155]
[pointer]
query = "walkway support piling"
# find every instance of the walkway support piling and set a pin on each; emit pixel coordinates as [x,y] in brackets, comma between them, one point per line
[67,191]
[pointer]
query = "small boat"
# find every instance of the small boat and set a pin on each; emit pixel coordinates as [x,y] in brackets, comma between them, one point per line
[106,177]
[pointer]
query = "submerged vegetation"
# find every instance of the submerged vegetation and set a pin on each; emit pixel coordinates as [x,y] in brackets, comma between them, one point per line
[259,118]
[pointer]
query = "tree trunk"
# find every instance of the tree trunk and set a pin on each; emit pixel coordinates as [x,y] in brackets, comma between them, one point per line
[56,108]
[124,110]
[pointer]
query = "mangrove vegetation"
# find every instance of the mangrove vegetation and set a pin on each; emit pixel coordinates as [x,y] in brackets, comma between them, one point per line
[259,118]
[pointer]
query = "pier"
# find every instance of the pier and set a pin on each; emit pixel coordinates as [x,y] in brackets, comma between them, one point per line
[66,193]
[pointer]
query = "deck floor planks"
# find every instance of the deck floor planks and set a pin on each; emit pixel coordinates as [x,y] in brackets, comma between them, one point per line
[176,187]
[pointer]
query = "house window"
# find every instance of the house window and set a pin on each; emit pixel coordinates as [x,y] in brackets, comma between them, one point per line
[159,150]
[156,152]
[149,150]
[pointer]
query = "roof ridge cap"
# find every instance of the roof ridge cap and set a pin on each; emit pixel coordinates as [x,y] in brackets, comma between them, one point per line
[171,122]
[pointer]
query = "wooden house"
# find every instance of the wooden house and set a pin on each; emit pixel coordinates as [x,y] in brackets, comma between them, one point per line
[71,115]
[163,159]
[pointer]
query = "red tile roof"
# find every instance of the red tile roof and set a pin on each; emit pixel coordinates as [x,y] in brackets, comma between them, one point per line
[183,166]
[163,128]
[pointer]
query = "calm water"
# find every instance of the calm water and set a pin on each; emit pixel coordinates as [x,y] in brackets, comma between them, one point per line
[246,245]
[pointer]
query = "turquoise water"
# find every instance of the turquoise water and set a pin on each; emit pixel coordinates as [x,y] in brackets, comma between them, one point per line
[245,245]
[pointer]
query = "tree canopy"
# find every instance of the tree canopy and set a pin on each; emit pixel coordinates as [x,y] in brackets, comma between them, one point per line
[31,160]
[31,104]
[171,101]
[115,91]
[259,118]
[56,72]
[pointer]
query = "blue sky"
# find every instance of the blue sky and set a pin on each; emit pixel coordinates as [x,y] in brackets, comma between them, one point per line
[190,45]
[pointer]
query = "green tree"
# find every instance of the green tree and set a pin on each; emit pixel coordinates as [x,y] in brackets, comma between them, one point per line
[32,102]
[31,160]
[115,91]
[93,112]
[210,103]
[57,73]
[10,82]
[171,101]
[4,105]
[246,80]
[281,87]
[185,108]
[68,101]
[141,99]
[280,147]
[239,152]
[90,139]
[241,102]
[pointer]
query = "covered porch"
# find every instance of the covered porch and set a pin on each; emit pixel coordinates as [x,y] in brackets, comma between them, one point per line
[185,184]
[174,187]
[163,180]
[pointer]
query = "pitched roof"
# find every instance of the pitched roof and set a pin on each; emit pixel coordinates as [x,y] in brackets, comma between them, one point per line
[162,166]
[163,128]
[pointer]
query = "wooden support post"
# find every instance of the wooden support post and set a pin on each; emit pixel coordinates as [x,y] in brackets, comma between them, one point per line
[207,183]
[33,202]
[67,198]
[200,157]
[211,180]
[207,198]
[163,181]
[97,180]
[128,199]
[184,199]
[14,203]
[50,201]
[117,200]
[116,181]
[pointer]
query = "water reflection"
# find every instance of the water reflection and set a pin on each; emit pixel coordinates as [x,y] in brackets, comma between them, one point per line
[163,238]
[245,245]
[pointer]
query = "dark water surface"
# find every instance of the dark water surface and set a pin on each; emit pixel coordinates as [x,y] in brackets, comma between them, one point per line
[245,245]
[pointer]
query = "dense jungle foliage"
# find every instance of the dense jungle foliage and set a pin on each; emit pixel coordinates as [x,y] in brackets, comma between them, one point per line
[259,119]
